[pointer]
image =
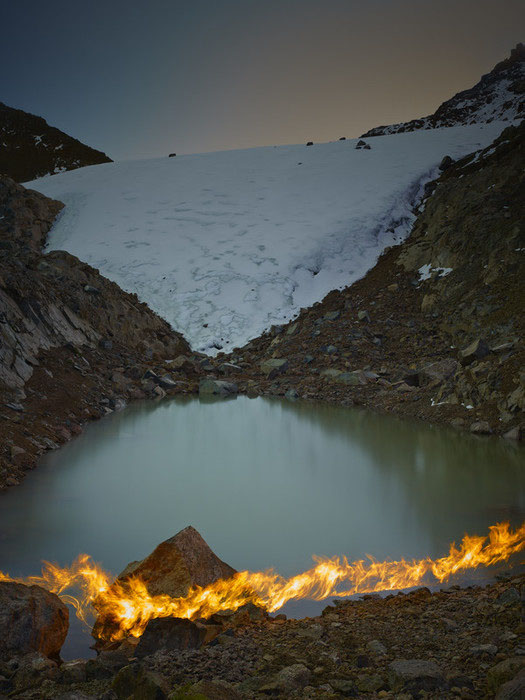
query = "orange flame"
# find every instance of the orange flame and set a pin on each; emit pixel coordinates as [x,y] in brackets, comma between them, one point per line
[129,607]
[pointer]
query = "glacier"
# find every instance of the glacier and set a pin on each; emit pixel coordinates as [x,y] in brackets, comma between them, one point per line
[224,244]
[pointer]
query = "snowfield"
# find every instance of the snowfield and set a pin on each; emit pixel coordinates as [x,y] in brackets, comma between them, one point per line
[224,244]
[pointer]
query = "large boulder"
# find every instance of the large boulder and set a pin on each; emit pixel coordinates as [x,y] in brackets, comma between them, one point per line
[276,365]
[475,351]
[217,387]
[31,620]
[171,634]
[414,675]
[172,569]
[177,564]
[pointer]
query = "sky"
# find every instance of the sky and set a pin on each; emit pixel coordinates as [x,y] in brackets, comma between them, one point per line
[143,78]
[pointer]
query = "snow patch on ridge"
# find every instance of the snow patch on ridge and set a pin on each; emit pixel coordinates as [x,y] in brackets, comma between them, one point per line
[224,244]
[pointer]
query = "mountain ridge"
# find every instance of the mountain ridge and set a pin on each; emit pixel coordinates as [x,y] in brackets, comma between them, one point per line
[31,148]
[498,96]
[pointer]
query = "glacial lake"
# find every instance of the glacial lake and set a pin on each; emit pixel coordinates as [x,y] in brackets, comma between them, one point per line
[267,483]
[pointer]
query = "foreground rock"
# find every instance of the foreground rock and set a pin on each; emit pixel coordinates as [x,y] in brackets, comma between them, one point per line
[31,620]
[172,569]
[177,564]
[171,634]
[217,387]
[438,646]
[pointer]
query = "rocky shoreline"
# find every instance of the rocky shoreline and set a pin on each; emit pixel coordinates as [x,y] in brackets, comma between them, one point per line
[453,643]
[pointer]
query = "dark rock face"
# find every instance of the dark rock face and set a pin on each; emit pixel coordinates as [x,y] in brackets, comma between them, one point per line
[32,148]
[55,313]
[54,299]
[171,634]
[25,216]
[499,95]
[31,620]
[134,682]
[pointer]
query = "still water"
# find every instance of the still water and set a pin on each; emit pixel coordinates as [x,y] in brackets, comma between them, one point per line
[267,483]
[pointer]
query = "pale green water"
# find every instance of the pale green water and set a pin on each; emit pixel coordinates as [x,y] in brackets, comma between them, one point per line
[267,483]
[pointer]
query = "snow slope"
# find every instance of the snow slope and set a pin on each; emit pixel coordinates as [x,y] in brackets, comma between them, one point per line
[224,244]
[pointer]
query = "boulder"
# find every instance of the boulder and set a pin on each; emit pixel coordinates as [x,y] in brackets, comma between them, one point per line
[514,689]
[515,433]
[446,163]
[179,563]
[31,620]
[503,672]
[428,302]
[376,647]
[166,382]
[172,568]
[217,387]
[330,372]
[438,371]
[271,368]
[31,671]
[483,650]
[475,351]
[229,368]
[182,363]
[171,634]
[135,682]
[293,677]
[414,675]
[480,427]
[357,377]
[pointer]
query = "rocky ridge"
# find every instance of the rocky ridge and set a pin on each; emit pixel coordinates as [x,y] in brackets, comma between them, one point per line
[434,330]
[498,96]
[30,148]
[73,345]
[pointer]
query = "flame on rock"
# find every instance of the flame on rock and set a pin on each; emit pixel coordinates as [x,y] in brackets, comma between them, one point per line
[128,606]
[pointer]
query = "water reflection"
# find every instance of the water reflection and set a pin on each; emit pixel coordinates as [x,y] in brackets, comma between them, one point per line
[267,483]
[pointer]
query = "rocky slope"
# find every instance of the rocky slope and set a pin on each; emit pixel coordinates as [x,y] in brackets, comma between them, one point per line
[30,148]
[499,95]
[73,345]
[435,330]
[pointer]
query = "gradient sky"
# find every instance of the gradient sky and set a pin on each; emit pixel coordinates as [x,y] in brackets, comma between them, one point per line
[142,78]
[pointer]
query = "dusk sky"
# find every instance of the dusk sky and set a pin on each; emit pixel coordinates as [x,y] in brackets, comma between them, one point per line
[142,78]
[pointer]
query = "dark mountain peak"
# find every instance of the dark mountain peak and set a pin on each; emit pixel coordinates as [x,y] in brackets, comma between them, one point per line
[31,148]
[498,96]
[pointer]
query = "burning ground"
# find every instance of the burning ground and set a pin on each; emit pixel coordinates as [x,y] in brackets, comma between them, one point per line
[188,617]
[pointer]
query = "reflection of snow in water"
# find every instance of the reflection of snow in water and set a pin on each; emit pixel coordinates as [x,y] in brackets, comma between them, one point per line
[238,240]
